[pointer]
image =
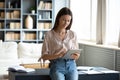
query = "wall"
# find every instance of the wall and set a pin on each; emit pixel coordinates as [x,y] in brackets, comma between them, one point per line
[98,56]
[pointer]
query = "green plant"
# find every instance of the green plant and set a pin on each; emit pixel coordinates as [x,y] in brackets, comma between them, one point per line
[32,8]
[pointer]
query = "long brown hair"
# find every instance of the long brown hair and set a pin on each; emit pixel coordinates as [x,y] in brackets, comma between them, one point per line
[63,11]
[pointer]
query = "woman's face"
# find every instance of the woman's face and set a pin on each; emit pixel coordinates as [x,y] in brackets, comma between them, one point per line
[64,21]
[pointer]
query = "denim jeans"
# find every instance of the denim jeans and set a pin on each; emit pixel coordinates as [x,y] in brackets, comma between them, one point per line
[63,69]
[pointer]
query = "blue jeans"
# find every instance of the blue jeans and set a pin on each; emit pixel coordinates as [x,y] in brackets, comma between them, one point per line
[61,69]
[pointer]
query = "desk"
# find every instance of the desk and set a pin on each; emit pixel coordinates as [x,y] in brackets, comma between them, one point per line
[43,74]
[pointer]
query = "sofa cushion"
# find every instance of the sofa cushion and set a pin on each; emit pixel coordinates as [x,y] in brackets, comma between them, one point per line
[29,52]
[8,50]
[0,44]
[28,60]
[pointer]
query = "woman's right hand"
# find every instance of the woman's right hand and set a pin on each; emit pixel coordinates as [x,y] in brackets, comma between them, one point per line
[62,52]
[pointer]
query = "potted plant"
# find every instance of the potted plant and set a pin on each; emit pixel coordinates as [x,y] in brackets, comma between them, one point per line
[32,9]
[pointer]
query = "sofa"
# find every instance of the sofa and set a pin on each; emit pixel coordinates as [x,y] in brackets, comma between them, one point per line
[25,54]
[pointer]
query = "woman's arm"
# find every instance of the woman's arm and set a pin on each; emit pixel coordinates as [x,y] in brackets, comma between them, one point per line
[59,54]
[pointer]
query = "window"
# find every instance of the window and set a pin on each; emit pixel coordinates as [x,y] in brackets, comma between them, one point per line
[113,21]
[85,17]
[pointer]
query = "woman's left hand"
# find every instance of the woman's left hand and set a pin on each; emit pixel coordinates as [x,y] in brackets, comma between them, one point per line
[75,56]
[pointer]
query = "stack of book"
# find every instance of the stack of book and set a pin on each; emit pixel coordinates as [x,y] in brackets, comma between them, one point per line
[45,5]
[12,36]
[46,25]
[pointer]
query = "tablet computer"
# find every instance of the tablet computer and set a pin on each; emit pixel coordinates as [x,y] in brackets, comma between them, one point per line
[70,52]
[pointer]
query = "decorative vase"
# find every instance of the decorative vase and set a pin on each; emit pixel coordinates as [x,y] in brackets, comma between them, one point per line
[29,22]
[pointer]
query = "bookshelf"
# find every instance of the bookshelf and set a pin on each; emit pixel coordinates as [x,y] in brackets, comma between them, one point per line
[45,17]
[15,27]
[13,14]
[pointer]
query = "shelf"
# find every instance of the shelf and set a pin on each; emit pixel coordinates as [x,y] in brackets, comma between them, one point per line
[44,19]
[44,9]
[25,14]
[13,15]
[12,40]
[12,29]
[13,20]
[2,9]
[2,19]
[7,9]
[44,29]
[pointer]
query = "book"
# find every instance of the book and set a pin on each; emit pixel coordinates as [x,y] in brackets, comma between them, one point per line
[92,72]
[88,70]
[41,5]
[84,68]
[109,71]
[20,69]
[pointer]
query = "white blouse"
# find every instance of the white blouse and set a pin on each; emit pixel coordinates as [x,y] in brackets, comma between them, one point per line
[52,42]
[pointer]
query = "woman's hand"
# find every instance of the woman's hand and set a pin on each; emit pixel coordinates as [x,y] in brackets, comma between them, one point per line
[62,52]
[75,56]
[39,59]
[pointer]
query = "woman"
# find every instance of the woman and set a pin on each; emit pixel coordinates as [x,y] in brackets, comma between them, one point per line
[56,43]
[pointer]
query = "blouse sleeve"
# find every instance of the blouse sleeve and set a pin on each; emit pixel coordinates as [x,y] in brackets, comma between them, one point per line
[75,42]
[45,49]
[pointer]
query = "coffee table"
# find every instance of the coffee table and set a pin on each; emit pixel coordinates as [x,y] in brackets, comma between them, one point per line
[43,74]
[39,74]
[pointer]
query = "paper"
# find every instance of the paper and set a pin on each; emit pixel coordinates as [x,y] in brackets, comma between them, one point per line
[84,68]
[92,72]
